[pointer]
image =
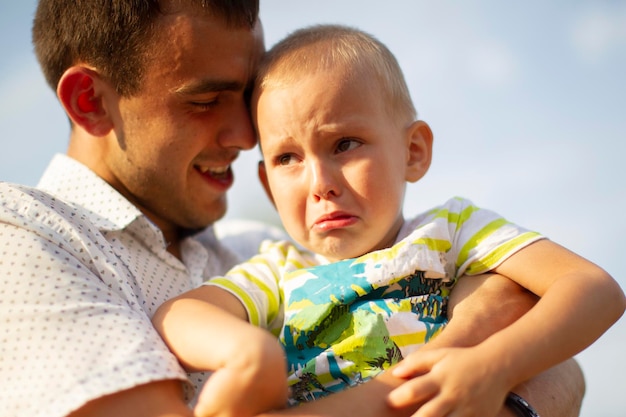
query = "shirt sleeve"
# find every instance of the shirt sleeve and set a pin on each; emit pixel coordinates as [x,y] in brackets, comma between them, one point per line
[481,239]
[68,336]
[257,282]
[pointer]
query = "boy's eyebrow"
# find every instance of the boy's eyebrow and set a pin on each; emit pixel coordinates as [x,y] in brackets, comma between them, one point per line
[209,86]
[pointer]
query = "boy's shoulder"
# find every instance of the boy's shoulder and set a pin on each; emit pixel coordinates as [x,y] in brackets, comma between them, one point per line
[451,210]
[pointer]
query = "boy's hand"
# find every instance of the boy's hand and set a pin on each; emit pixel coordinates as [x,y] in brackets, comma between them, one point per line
[254,381]
[455,382]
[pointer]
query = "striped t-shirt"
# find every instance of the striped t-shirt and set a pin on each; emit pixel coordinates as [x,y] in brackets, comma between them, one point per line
[341,323]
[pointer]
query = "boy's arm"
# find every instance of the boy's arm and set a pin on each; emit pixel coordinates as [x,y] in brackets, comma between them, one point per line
[202,327]
[563,322]
[483,304]
[207,330]
[479,306]
[579,302]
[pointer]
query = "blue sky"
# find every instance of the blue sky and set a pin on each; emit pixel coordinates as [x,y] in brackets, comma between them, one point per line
[526,100]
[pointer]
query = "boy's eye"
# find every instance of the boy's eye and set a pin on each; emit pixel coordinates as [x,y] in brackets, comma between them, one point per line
[285,159]
[347,144]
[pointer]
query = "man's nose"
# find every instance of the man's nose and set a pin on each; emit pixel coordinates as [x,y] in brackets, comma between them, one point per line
[238,131]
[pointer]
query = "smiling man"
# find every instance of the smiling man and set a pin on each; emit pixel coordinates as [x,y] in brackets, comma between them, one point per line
[156,94]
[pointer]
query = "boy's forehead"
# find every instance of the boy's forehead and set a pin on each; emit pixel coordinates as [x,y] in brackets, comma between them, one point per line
[328,100]
[322,100]
[290,72]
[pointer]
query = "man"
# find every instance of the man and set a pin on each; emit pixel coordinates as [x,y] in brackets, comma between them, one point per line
[156,97]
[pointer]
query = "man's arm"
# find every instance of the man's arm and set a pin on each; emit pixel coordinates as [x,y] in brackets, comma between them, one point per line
[480,306]
[155,399]
[557,392]
[165,399]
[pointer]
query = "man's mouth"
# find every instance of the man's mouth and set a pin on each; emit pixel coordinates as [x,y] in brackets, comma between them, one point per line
[215,172]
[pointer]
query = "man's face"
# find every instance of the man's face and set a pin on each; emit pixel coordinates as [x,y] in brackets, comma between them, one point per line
[336,162]
[176,139]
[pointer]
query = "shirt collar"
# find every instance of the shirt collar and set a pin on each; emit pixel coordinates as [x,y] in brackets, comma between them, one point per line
[69,180]
[73,182]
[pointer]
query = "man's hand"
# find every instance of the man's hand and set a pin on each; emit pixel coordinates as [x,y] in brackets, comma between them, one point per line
[479,306]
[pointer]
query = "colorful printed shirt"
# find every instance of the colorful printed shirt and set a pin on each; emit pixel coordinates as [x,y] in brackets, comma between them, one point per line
[342,323]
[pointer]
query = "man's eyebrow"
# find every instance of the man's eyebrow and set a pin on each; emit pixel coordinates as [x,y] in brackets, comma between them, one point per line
[209,86]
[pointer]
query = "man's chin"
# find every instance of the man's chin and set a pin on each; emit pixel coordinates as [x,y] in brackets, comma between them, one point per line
[190,232]
[201,223]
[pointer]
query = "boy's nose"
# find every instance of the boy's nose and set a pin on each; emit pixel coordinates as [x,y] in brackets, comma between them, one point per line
[323,183]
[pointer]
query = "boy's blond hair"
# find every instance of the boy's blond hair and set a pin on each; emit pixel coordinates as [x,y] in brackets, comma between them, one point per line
[338,48]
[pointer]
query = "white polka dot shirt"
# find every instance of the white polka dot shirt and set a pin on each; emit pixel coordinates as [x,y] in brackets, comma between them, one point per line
[81,273]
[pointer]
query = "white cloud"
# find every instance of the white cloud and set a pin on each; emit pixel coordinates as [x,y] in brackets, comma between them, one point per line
[598,31]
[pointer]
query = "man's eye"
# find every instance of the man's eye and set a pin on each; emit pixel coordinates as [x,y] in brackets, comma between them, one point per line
[347,144]
[205,105]
[206,101]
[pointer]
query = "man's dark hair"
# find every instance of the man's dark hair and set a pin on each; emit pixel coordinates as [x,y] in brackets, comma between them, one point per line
[113,36]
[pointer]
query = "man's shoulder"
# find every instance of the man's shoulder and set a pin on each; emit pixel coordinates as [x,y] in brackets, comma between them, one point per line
[42,213]
[18,198]
[7,188]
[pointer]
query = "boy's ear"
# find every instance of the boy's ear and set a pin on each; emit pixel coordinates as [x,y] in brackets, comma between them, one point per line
[420,150]
[80,91]
[263,177]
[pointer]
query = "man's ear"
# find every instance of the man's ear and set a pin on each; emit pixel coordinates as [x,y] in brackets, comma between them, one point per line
[80,91]
[263,177]
[420,150]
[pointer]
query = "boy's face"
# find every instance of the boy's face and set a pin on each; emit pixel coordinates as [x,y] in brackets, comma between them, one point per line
[336,163]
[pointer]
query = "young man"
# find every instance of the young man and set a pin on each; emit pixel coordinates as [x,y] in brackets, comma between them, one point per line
[156,96]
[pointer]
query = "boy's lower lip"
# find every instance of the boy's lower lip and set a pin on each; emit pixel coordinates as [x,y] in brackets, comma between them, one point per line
[335,223]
